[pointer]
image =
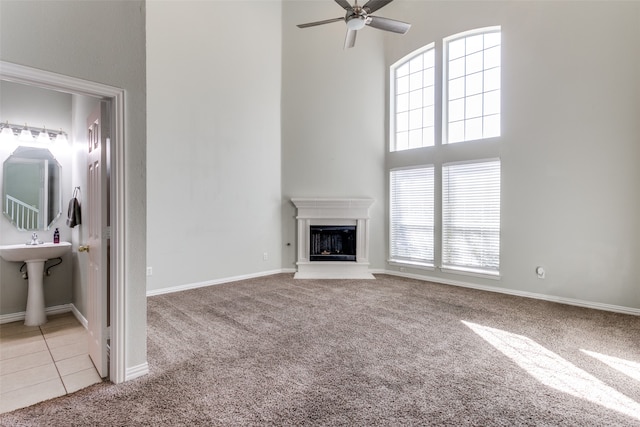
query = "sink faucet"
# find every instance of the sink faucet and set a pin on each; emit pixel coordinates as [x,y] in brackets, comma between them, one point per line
[34,239]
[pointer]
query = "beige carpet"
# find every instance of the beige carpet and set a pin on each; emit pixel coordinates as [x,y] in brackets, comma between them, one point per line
[392,351]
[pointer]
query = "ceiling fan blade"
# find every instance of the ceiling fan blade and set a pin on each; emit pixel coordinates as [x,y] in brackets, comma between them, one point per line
[344,4]
[373,5]
[313,24]
[350,39]
[387,24]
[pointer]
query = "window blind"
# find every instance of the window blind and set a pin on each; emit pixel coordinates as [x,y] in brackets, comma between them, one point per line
[471,216]
[412,215]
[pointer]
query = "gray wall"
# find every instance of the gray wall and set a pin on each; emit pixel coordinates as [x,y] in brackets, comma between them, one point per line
[213,140]
[100,41]
[569,144]
[333,116]
[569,136]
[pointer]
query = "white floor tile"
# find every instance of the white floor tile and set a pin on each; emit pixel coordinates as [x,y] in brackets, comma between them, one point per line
[27,343]
[79,380]
[40,363]
[70,350]
[28,377]
[27,361]
[30,395]
[74,364]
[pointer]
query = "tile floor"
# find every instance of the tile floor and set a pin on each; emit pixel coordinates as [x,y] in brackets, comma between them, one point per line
[38,363]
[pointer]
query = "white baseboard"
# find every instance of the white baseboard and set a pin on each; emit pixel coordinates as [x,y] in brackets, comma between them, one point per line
[544,297]
[216,282]
[136,371]
[79,316]
[440,280]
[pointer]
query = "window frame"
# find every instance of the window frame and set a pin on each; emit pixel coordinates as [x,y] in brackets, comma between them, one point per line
[444,247]
[446,41]
[440,154]
[393,95]
[415,262]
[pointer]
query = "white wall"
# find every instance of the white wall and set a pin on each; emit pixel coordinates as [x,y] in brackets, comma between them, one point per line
[333,140]
[100,41]
[570,140]
[213,84]
[20,104]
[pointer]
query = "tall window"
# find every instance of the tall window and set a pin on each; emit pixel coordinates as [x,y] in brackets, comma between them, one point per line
[413,103]
[447,215]
[471,216]
[411,215]
[473,86]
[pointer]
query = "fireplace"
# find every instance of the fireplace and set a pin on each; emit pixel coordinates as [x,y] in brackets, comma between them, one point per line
[333,238]
[332,243]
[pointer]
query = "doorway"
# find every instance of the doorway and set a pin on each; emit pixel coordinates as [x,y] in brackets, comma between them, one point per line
[114,98]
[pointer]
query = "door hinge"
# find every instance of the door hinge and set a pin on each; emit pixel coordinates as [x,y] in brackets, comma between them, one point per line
[107,233]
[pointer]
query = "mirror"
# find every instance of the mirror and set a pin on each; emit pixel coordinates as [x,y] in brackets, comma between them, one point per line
[31,195]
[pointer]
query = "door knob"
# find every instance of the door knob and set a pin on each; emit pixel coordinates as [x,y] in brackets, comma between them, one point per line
[83,248]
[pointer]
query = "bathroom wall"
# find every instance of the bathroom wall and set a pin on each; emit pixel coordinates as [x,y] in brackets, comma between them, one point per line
[37,107]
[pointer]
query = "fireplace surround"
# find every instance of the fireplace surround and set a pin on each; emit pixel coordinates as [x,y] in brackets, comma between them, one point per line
[330,215]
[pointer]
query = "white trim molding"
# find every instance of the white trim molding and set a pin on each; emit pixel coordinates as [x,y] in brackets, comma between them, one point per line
[424,278]
[214,282]
[49,80]
[137,371]
[544,297]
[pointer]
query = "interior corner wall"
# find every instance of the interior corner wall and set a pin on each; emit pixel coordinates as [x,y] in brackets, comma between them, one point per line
[569,146]
[99,41]
[333,118]
[213,141]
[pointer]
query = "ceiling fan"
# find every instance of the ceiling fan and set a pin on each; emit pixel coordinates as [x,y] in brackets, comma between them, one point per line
[358,16]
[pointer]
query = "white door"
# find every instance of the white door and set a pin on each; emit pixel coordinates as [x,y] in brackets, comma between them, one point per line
[97,221]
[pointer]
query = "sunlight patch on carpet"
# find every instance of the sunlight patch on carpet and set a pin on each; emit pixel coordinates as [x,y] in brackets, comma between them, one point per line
[627,367]
[554,371]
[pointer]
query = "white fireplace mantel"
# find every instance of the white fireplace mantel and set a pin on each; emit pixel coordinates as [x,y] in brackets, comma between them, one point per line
[333,212]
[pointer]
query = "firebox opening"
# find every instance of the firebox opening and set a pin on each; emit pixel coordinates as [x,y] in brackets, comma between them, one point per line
[332,243]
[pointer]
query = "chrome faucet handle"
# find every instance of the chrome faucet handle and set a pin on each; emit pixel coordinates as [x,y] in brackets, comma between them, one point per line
[34,238]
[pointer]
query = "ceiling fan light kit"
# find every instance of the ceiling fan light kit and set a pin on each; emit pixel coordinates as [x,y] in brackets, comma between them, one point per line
[357,17]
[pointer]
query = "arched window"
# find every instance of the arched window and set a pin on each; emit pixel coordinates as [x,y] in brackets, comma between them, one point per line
[413,100]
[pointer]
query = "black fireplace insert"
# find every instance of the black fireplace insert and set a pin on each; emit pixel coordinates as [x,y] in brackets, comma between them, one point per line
[332,243]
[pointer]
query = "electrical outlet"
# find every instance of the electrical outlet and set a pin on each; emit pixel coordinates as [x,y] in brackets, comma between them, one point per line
[265,256]
[149,271]
[540,272]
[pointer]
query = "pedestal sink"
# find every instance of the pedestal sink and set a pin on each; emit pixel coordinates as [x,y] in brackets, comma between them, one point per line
[35,257]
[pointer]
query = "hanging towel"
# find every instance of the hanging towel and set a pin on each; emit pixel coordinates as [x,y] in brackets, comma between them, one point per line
[74,216]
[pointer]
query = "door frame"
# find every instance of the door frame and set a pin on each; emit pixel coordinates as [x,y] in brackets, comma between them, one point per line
[48,80]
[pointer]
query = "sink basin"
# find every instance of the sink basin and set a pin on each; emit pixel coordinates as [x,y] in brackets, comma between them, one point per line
[35,257]
[42,252]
